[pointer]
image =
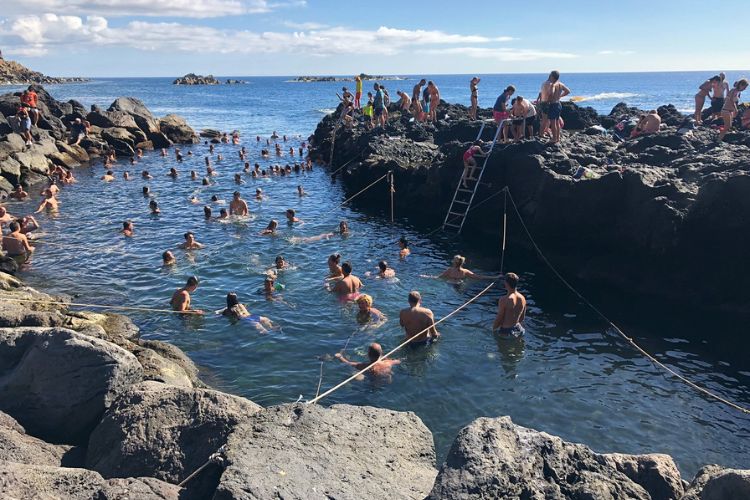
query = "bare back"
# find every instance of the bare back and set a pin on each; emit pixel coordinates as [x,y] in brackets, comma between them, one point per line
[415,320]
[511,310]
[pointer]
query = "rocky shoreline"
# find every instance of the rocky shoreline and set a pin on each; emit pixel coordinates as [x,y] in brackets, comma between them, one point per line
[659,206]
[89,409]
[363,76]
[13,73]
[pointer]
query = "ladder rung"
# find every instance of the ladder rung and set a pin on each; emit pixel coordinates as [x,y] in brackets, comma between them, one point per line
[457,213]
[449,224]
[461,202]
[462,190]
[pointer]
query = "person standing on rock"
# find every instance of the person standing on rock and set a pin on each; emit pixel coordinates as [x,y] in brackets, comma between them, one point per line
[473,87]
[418,322]
[180,301]
[434,100]
[700,98]
[29,100]
[511,309]
[500,111]
[417,91]
[378,106]
[24,123]
[518,117]
[552,91]
[358,92]
[720,90]
[16,245]
[730,106]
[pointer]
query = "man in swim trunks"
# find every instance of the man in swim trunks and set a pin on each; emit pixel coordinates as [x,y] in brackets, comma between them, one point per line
[16,245]
[511,309]
[457,271]
[418,321]
[378,106]
[720,90]
[181,297]
[190,243]
[238,206]
[500,110]
[381,368]
[518,117]
[49,203]
[552,91]
[417,92]
[347,287]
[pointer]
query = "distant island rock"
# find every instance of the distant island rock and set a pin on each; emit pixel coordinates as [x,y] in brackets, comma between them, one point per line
[13,73]
[363,76]
[235,82]
[193,79]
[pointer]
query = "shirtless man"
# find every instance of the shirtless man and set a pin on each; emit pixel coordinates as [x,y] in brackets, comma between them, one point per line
[720,90]
[128,229]
[417,92]
[5,217]
[348,286]
[109,176]
[511,309]
[190,243]
[404,103]
[552,91]
[381,368]
[28,224]
[291,216]
[238,206]
[384,271]
[16,244]
[181,297]
[403,245]
[418,321]
[457,271]
[18,193]
[168,259]
[648,124]
[434,100]
[518,117]
[49,203]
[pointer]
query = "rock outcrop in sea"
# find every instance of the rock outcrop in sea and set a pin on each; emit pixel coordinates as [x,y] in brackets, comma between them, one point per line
[363,76]
[13,73]
[193,79]
[646,216]
[124,127]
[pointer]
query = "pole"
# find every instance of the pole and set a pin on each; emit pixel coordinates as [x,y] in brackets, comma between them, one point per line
[505,226]
[392,190]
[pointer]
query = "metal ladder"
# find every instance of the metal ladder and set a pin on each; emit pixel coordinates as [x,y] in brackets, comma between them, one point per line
[463,198]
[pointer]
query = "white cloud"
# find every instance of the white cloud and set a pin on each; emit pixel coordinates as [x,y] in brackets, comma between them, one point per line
[502,54]
[615,52]
[37,34]
[144,8]
[304,26]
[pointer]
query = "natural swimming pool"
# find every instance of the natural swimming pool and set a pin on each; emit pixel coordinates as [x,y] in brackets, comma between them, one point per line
[569,377]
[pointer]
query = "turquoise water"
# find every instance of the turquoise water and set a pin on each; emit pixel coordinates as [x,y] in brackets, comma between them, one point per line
[570,377]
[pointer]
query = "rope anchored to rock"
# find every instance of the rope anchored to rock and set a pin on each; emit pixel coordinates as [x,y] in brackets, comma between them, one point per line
[217,458]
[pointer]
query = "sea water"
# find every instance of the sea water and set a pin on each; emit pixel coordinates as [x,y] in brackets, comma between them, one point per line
[570,376]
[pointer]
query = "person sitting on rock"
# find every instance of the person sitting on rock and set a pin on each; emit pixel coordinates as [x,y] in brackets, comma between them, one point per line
[16,245]
[648,124]
[18,193]
[381,368]
[730,106]
[470,163]
[180,301]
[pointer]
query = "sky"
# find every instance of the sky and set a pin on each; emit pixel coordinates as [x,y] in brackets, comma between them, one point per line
[111,38]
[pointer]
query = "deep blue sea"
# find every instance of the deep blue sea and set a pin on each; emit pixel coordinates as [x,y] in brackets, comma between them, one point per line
[570,377]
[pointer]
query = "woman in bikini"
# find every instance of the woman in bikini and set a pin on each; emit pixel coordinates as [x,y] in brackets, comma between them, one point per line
[474,98]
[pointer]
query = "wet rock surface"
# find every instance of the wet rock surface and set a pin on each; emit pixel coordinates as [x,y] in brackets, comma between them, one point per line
[657,204]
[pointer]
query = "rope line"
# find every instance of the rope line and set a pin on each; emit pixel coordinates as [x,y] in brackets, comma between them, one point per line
[217,458]
[347,163]
[96,306]
[690,383]
[400,346]
[505,228]
[357,194]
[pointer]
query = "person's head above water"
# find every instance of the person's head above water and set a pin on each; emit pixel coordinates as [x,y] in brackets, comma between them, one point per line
[236,195]
[189,236]
[383,266]
[374,352]
[403,242]
[192,283]
[346,268]
[334,258]
[343,227]
[364,302]
[127,225]
[232,300]
[205,181]
[167,257]
[207,211]
[414,298]
[458,260]
[279,261]
[14,226]
[214,198]
[511,281]
[146,189]
[272,225]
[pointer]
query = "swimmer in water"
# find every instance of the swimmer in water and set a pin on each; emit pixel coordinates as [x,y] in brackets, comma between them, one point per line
[193,175]
[181,297]
[28,224]
[279,263]
[259,194]
[367,313]
[270,230]
[16,245]
[139,153]
[207,212]
[301,191]
[163,152]
[5,217]
[18,193]
[128,229]
[511,309]
[154,206]
[210,171]
[223,214]
[291,216]
[403,245]
[384,271]
[172,173]
[206,181]
[238,206]
[235,309]
[146,175]
[333,266]
[168,259]
[457,271]
[418,322]
[381,368]
[126,176]
[238,179]
[49,203]
[146,191]
[349,285]
[109,176]
[217,200]
[190,243]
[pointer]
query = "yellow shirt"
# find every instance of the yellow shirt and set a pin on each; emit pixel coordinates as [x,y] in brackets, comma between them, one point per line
[358,86]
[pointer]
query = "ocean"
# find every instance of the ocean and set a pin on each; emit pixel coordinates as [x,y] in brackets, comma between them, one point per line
[570,376]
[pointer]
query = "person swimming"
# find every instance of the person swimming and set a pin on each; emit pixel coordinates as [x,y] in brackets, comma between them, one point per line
[381,368]
[457,271]
[154,207]
[207,213]
[291,217]
[403,245]
[109,176]
[384,271]
[180,300]
[270,230]
[236,310]
[146,175]
[128,229]
[301,191]
[238,206]
[418,322]
[279,262]
[367,313]
[168,258]
[190,242]
[333,266]
[347,288]
[511,309]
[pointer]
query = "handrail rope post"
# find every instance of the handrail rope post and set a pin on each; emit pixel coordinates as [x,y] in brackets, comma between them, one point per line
[392,190]
[505,228]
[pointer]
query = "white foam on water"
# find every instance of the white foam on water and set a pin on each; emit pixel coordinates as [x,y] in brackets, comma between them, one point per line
[604,96]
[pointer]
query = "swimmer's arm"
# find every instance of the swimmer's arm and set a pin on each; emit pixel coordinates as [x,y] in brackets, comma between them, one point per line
[474,276]
[433,329]
[523,314]
[26,246]
[41,207]
[500,315]
[565,91]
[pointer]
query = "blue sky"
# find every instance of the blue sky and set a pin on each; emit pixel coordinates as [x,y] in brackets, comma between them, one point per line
[291,37]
